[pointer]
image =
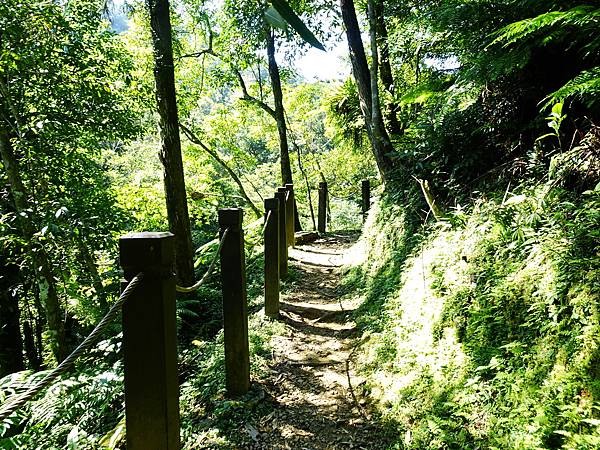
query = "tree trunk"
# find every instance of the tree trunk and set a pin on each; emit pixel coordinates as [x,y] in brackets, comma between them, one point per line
[170,155]
[30,348]
[380,142]
[380,135]
[92,270]
[286,168]
[11,344]
[284,151]
[53,309]
[385,69]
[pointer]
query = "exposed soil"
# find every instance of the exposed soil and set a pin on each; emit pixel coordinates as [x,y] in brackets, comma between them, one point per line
[316,396]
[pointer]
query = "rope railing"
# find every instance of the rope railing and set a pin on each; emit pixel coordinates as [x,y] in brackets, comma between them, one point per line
[210,270]
[154,303]
[349,198]
[262,235]
[10,407]
[211,267]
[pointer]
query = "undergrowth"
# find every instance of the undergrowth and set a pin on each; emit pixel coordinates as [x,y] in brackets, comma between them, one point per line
[483,330]
[85,409]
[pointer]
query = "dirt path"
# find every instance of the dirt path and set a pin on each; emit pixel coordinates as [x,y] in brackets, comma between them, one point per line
[316,394]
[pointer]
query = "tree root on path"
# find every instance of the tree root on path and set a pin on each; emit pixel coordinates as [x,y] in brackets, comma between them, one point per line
[350,387]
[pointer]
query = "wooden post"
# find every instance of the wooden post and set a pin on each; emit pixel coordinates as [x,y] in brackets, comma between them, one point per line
[283,248]
[322,220]
[272,258]
[150,342]
[366,197]
[235,308]
[291,205]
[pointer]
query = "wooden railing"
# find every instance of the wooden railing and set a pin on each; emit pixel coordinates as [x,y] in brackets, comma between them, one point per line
[149,316]
[149,319]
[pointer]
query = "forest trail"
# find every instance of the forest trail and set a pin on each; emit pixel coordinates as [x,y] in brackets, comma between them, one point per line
[316,394]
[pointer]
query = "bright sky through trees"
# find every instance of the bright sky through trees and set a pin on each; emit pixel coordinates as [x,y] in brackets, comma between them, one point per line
[330,65]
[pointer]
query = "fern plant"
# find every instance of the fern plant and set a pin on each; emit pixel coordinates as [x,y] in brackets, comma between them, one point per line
[581,22]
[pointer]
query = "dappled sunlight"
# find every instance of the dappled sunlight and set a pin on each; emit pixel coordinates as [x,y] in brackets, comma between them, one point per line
[479,334]
[317,394]
[414,313]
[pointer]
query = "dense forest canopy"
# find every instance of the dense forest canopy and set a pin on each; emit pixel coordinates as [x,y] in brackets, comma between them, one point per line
[449,103]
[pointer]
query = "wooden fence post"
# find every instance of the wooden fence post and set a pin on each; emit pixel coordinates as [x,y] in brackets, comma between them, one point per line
[322,220]
[272,257]
[150,343]
[235,308]
[366,197]
[291,215]
[283,248]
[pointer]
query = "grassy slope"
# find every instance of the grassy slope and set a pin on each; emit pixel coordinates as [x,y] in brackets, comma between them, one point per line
[483,332]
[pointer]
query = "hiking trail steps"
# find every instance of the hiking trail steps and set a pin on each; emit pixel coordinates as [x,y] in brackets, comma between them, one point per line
[317,396]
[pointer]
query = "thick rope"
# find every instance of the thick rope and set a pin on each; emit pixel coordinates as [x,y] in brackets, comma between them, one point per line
[262,234]
[211,267]
[10,407]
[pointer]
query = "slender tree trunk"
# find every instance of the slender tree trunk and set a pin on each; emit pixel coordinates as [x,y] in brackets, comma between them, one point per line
[170,155]
[360,68]
[380,141]
[53,309]
[380,135]
[11,344]
[385,69]
[284,151]
[30,348]
[92,270]
[308,189]
[286,168]
[39,322]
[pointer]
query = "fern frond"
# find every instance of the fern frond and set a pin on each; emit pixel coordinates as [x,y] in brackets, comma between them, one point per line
[585,86]
[578,17]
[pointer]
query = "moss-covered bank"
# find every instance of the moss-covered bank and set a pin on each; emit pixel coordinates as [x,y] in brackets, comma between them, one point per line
[483,331]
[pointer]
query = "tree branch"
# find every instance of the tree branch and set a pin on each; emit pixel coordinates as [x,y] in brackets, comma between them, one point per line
[207,51]
[250,99]
[196,140]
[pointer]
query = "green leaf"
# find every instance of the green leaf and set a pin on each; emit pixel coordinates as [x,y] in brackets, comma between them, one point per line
[557,109]
[274,19]
[290,17]
[545,136]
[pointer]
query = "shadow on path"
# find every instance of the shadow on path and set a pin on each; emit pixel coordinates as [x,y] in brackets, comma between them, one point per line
[317,397]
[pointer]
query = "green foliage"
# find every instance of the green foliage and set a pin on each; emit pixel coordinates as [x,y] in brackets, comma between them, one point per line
[64,100]
[580,23]
[582,16]
[74,412]
[485,334]
[585,87]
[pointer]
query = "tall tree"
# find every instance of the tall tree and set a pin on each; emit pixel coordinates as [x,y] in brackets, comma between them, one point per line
[61,101]
[11,344]
[170,155]
[54,311]
[284,152]
[257,21]
[366,81]
[385,69]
